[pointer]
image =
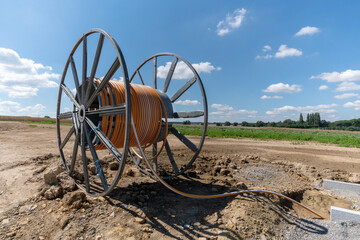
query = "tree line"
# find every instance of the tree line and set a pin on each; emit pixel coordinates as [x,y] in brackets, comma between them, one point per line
[312,120]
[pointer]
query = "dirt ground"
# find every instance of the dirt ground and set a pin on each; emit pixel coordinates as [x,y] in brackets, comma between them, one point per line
[140,208]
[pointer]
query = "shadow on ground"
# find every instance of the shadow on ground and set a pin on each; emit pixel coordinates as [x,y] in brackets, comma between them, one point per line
[180,217]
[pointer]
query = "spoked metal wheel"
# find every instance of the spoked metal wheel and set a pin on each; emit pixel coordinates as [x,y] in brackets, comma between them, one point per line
[175,80]
[98,166]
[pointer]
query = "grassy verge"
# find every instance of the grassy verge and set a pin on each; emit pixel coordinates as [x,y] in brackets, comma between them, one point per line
[344,139]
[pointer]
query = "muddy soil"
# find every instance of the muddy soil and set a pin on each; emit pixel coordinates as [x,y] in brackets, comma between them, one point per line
[140,208]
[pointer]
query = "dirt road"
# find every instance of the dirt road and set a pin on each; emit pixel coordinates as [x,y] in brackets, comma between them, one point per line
[30,150]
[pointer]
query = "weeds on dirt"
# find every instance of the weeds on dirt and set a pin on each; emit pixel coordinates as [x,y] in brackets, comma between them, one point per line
[342,139]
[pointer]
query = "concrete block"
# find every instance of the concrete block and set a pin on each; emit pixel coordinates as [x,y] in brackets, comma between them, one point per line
[341,214]
[345,189]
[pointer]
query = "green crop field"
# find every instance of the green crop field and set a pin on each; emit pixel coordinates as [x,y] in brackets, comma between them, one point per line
[344,139]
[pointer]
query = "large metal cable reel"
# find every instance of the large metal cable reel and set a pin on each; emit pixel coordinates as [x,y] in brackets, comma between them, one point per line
[169,101]
[101,112]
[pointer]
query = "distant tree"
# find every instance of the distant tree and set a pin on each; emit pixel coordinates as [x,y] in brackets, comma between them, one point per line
[187,122]
[201,123]
[235,124]
[46,116]
[245,124]
[271,124]
[259,124]
[227,123]
[218,124]
[301,119]
[317,119]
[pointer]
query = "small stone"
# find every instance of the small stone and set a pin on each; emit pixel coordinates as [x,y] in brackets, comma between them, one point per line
[98,237]
[224,172]
[140,220]
[241,185]
[53,192]
[32,207]
[112,214]
[50,178]
[23,222]
[67,183]
[5,221]
[114,166]
[44,205]
[49,211]
[11,234]
[130,173]
[354,178]
[41,238]
[92,168]
[24,209]
[64,222]
[75,198]
[101,199]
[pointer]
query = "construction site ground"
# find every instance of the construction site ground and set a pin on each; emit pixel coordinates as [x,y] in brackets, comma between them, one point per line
[141,208]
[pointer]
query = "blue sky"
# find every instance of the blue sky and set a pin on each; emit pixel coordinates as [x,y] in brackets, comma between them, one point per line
[258,60]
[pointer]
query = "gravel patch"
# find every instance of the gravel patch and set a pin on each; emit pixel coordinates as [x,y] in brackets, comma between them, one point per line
[319,229]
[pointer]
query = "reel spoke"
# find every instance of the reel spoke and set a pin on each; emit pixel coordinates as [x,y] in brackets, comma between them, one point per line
[94,66]
[66,139]
[155,73]
[84,69]
[170,74]
[104,139]
[171,158]
[183,89]
[96,160]
[76,79]
[114,67]
[183,139]
[65,115]
[155,163]
[69,94]
[141,80]
[108,110]
[84,159]
[190,114]
[74,155]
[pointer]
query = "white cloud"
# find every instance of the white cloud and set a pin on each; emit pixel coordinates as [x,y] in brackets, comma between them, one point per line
[21,77]
[233,112]
[307,31]
[283,88]
[226,110]
[323,87]
[266,48]
[231,22]
[355,105]
[346,95]
[347,87]
[182,71]
[323,108]
[271,97]
[217,113]
[11,108]
[267,56]
[188,102]
[284,51]
[348,75]
[222,107]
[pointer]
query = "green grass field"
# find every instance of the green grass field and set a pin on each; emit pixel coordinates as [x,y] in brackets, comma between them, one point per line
[344,139]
